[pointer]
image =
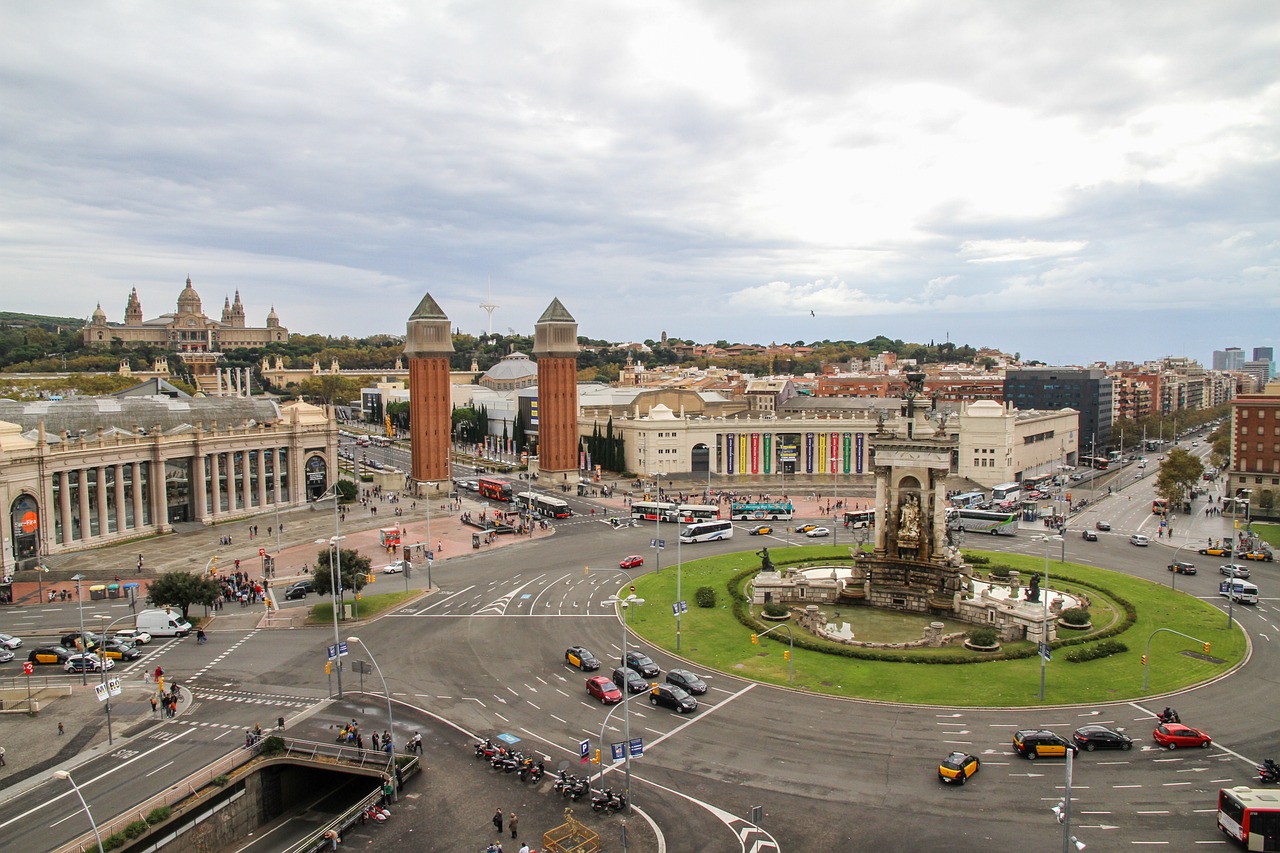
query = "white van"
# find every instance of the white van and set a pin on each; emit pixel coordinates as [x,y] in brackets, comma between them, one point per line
[1238,590]
[163,623]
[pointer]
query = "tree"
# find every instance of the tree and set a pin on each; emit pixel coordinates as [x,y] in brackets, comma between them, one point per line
[182,589]
[1179,471]
[353,565]
[329,388]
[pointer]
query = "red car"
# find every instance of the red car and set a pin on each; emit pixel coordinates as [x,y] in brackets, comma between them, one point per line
[1174,735]
[604,690]
[631,562]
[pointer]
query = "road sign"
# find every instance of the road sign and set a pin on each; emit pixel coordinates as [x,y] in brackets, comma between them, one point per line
[28,668]
[100,690]
[1045,652]
[262,552]
[114,687]
[618,751]
[584,750]
[637,747]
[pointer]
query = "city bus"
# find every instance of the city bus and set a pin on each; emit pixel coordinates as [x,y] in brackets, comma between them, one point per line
[688,513]
[1159,506]
[773,511]
[707,531]
[653,510]
[857,518]
[1007,493]
[968,500]
[550,507]
[983,521]
[498,490]
[1098,463]
[1250,816]
[1037,482]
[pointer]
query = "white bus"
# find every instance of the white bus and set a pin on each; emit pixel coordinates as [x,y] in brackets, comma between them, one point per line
[1009,493]
[689,513]
[1238,590]
[855,519]
[968,500]
[707,531]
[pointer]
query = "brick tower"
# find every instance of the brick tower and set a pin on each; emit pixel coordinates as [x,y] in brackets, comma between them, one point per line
[428,346]
[555,345]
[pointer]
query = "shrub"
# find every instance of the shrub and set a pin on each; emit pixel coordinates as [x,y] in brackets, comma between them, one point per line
[982,637]
[976,559]
[1075,616]
[705,597]
[135,828]
[1001,572]
[273,745]
[162,813]
[775,610]
[218,781]
[1106,648]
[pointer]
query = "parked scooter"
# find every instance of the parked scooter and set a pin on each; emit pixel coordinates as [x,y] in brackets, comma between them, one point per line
[1168,715]
[607,800]
[570,786]
[1269,772]
[532,771]
[507,762]
[485,749]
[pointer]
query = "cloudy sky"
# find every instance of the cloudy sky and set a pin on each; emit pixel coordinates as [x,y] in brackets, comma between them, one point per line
[1073,181]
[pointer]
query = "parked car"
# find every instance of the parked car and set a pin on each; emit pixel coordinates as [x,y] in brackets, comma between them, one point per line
[1234,570]
[817,531]
[604,690]
[641,663]
[1262,555]
[1216,551]
[675,698]
[581,658]
[958,767]
[631,562]
[1174,735]
[1140,540]
[687,680]
[1037,743]
[1182,567]
[1101,737]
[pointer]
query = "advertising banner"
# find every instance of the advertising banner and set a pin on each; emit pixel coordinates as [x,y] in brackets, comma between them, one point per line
[768,452]
[848,446]
[755,453]
[858,439]
[808,453]
[730,453]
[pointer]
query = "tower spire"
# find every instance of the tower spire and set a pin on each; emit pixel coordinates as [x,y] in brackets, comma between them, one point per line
[489,306]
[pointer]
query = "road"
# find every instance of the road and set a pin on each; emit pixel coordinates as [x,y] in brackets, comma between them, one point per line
[486,652]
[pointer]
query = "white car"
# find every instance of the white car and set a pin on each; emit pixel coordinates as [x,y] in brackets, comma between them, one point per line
[89,662]
[395,568]
[9,641]
[132,635]
[1139,539]
[818,531]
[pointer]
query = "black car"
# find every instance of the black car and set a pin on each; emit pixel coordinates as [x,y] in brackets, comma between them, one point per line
[1089,536]
[675,698]
[1101,737]
[298,590]
[686,680]
[629,680]
[1037,743]
[72,641]
[49,654]
[641,663]
[1103,525]
[581,658]
[1182,567]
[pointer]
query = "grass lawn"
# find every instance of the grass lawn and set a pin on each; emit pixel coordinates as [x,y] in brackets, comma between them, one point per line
[1269,532]
[714,640]
[370,606]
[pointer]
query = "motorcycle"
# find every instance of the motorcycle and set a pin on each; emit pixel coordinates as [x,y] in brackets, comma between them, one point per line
[607,800]
[506,761]
[485,749]
[1168,715]
[569,786]
[1269,772]
[532,772]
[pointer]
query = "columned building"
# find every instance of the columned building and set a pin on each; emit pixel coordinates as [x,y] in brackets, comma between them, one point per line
[555,345]
[188,330]
[80,473]
[428,346]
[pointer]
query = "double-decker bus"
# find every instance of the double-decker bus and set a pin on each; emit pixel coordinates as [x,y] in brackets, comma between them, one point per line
[857,518]
[689,513]
[773,511]
[1250,816]
[1009,493]
[1159,506]
[968,500]
[707,531]
[1098,463]
[653,510]
[983,521]
[498,490]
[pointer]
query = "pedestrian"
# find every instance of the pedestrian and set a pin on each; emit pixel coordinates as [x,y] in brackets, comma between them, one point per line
[61,729]
[497,820]
[1,756]
[416,744]
[524,848]
[139,564]
[512,822]
[154,705]
[374,740]
[332,837]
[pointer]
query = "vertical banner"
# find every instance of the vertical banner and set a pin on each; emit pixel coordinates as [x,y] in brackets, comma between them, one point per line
[821,460]
[742,451]
[808,453]
[730,453]
[835,453]
[858,439]
[847,446]
[768,453]
[755,453]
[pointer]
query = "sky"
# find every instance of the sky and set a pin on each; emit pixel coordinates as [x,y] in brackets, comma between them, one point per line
[1073,182]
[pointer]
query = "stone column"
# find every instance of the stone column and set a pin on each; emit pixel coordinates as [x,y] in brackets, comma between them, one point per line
[104,527]
[275,475]
[245,481]
[64,505]
[199,477]
[882,512]
[83,480]
[215,485]
[159,494]
[121,526]
[232,491]
[137,495]
[428,345]
[262,478]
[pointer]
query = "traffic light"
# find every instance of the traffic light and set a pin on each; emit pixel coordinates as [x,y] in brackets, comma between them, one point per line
[596,760]
[755,639]
[1206,648]
[328,667]
[786,655]
[371,578]
[213,567]
[1144,660]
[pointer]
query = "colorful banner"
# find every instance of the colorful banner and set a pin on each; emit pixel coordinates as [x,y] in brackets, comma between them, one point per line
[742,451]
[835,452]
[768,452]
[858,439]
[847,445]
[808,453]
[533,411]
[755,453]
[730,453]
[821,460]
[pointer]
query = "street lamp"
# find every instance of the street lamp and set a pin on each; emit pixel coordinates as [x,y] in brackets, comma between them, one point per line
[391,722]
[64,774]
[1044,621]
[84,676]
[657,521]
[103,657]
[335,577]
[629,601]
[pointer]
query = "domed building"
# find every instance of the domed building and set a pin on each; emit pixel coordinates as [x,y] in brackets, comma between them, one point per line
[512,373]
[188,330]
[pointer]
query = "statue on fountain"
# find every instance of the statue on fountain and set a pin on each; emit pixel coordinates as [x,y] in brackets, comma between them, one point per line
[1033,593]
[766,565]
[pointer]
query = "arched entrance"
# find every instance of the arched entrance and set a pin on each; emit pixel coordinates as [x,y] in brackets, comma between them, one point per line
[701,459]
[317,475]
[24,529]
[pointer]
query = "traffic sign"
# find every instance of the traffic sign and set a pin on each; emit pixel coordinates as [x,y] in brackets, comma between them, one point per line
[637,747]
[262,552]
[618,751]
[28,668]
[1045,652]
[114,687]
[584,750]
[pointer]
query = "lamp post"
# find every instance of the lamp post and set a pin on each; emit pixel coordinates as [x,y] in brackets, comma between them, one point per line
[391,721]
[629,601]
[84,676]
[335,579]
[1044,621]
[657,522]
[103,670]
[63,774]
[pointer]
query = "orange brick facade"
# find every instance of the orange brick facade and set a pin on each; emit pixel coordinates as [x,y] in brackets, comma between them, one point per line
[557,414]
[430,418]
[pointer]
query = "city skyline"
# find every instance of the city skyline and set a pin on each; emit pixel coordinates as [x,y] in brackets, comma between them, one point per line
[1073,188]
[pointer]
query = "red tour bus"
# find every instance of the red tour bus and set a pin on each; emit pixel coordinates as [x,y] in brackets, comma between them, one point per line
[1250,816]
[499,490]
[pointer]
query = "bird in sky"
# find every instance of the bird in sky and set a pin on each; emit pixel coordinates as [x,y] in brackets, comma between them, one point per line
[811,314]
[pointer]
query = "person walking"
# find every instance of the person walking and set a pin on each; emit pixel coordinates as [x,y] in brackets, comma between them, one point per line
[1,756]
[512,822]
[497,820]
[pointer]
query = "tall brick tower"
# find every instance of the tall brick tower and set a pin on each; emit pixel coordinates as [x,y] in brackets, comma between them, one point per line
[428,346]
[555,345]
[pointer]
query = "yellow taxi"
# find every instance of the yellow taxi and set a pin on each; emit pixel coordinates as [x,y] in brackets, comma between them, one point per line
[958,767]
[1040,743]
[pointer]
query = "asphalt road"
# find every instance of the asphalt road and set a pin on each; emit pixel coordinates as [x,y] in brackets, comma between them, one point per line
[486,653]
